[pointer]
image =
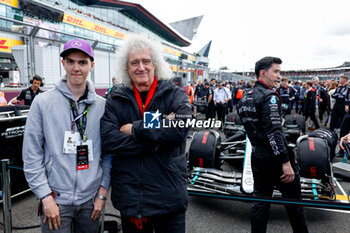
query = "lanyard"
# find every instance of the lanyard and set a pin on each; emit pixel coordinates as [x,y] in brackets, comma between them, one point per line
[150,95]
[80,120]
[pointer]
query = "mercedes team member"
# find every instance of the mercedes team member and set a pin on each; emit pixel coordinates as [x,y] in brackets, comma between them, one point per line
[148,176]
[341,106]
[29,94]
[260,112]
[62,148]
[287,94]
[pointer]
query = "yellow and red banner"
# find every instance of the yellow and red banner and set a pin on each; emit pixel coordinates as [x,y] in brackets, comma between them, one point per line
[92,26]
[6,44]
[176,53]
[191,58]
[13,3]
[170,51]
[73,20]
[175,68]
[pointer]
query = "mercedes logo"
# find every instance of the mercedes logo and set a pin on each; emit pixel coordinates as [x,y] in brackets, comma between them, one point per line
[76,43]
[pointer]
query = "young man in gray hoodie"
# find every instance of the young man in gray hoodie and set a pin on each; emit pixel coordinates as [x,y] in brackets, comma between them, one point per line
[62,147]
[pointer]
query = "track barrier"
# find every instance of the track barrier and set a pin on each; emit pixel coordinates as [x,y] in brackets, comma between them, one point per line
[7,210]
[6,196]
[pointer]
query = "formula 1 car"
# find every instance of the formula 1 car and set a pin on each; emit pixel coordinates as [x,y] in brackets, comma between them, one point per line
[12,123]
[211,171]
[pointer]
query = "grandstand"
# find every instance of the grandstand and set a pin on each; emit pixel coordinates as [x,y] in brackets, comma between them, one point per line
[308,74]
[33,33]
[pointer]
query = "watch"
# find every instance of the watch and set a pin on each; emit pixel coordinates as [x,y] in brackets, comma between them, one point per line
[101,197]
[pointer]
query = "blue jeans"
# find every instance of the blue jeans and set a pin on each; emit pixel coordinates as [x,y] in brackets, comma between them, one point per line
[74,219]
[169,223]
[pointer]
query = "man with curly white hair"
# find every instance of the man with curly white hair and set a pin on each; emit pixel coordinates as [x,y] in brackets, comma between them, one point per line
[148,176]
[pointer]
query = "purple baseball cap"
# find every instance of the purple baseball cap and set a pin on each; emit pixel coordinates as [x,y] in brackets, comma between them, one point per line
[78,44]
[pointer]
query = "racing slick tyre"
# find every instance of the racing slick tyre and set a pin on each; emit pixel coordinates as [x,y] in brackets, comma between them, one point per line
[204,149]
[232,124]
[201,108]
[314,158]
[295,119]
[233,117]
[329,136]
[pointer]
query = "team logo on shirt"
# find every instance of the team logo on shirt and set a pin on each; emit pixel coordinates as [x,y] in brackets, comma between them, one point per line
[273,100]
[151,120]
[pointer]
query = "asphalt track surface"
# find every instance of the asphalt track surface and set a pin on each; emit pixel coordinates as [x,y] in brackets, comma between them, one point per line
[207,215]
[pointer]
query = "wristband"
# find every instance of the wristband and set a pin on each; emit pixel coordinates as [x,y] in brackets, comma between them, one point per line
[103,198]
[47,195]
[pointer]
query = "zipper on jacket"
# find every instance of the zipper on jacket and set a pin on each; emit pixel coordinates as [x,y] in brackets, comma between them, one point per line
[139,216]
[76,170]
[75,185]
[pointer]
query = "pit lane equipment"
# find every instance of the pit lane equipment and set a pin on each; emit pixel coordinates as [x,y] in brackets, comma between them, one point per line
[319,188]
[342,169]
[201,105]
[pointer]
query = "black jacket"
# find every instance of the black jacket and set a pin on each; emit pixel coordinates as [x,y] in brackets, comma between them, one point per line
[148,175]
[28,95]
[310,100]
[342,95]
[286,93]
[325,98]
[260,113]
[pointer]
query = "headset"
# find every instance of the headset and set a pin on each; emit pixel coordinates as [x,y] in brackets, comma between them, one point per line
[39,78]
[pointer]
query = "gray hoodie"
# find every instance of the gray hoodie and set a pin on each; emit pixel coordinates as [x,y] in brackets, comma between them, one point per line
[46,167]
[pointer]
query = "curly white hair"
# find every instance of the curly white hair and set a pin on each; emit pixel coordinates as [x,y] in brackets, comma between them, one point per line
[134,44]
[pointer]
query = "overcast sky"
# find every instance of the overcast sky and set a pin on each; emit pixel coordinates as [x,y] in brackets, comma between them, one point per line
[303,33]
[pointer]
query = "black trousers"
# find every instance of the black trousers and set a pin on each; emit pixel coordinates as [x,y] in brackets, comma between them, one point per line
[338,113]
[229,106]
[345,125]
[322,109]
[210,113]
[296,103]
[311,114]
[170,223]
[221,111]
[267,176]
[302,107]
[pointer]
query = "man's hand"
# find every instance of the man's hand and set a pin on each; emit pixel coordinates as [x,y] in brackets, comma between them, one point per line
[346,138]
[288,173]
[171,116]
[14,101]
[223,102]
[126,129]
[99,204]
[346,108]
[51,213]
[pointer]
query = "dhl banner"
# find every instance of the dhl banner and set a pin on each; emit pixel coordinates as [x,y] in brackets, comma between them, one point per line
[173,52]
[91,26]
[176,53]
[107,31]
[13,3]
[6,44]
